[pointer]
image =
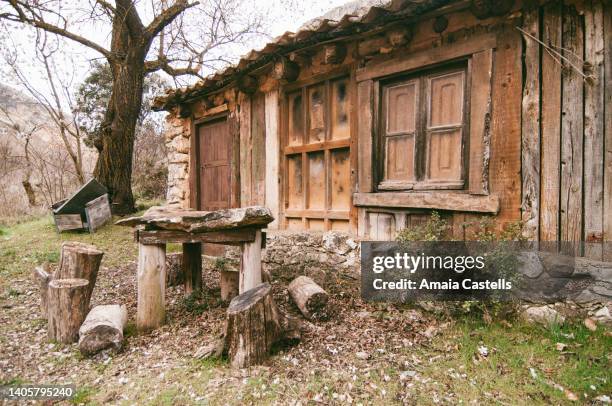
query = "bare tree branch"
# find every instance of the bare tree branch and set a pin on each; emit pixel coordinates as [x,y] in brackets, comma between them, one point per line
[36,20]
[167,16]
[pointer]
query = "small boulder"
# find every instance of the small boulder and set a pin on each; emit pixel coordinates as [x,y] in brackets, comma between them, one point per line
[544,315]
[602,316]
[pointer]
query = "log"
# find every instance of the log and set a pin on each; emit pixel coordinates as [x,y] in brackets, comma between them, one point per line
[151,276]
[309,297]
[103,328]
[229,284]
[42,277]
[254,324]
[68,304]
[79,261]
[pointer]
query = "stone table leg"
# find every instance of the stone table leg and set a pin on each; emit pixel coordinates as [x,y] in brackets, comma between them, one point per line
[250,264]
[151,312]
[192,267]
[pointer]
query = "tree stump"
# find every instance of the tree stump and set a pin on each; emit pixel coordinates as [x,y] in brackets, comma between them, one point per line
[309,297]
[151,286]
[42,276]
[253,325]
[229,283]
[68,304]
[174,269]
[103,328]
[81,261]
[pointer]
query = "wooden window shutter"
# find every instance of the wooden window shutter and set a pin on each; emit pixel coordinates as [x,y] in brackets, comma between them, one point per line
[481,66]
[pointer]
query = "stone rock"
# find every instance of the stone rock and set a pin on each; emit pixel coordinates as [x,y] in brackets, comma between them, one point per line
[544,315]
[194,221]
[604,291]
[602,316]
[530,264]
[558,266]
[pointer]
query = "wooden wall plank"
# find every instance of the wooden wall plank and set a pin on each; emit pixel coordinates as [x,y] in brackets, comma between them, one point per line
[194,193]
[233,122]
[272,157]
[245,149]
[572,134]
[258,148]
[551,126]
[594,130]
[530,127]
[607,187]
[364,128]
[480,115]
[505,164]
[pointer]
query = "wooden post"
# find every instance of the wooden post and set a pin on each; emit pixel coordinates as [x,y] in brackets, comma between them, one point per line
[151,286]
[192,267]
[67,308]
[250,264]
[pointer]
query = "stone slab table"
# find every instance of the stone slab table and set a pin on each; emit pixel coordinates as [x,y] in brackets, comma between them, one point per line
[167,224]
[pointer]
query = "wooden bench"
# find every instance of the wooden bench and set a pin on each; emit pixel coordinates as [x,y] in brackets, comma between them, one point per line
[162,225]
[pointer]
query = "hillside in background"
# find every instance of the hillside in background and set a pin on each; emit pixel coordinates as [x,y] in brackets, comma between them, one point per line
[32,152]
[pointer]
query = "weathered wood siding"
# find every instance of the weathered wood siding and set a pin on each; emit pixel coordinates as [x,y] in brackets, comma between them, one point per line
[567,164]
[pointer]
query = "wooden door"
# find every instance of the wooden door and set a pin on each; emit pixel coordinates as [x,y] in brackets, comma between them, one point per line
[215,156]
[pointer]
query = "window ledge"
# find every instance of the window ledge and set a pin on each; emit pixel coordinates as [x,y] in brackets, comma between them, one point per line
[452,201]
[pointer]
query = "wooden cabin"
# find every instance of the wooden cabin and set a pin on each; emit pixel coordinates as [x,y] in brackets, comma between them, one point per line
[366,122]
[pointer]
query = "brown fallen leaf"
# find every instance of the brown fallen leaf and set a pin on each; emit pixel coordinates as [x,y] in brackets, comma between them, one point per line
[590,324]
[561,346]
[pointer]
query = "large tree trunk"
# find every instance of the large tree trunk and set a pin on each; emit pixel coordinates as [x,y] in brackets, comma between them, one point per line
[116,146]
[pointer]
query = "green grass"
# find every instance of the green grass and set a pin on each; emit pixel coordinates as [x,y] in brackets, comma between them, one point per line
[505,373]
[29,243]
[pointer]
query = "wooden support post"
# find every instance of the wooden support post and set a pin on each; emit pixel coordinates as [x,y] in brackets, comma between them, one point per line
[67,308]
[151,286]
[192,267]
[250,264]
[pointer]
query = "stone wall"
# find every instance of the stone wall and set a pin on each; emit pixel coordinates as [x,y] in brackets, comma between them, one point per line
[318,255]
[177,143]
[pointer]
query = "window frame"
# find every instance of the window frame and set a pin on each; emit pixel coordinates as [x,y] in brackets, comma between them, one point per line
[423,77]
[326,146]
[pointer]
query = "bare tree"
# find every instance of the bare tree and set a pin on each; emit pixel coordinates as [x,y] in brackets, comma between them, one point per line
[56,104]
[166,43]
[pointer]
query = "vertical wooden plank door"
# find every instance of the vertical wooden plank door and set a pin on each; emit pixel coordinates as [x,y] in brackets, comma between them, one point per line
[215,149]
[214,170]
